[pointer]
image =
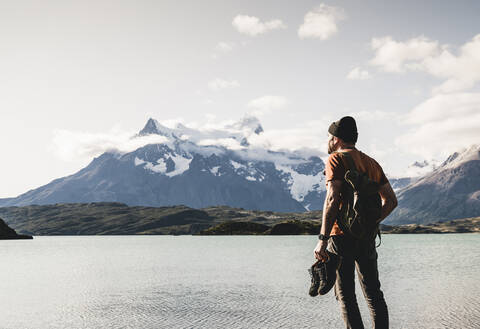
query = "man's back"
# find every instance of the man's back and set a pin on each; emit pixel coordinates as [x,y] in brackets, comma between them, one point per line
[337,166]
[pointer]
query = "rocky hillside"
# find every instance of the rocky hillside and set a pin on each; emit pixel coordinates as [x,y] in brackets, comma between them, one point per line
[450,191]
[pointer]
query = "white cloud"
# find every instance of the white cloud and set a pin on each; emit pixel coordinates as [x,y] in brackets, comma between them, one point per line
[72,145]
[219,84]
[421,168]
[394,56]
[449,119]
[358,74]
[308,138]
[321,23]
[444,106]
[266,104]
[228,143]
[252,26]
[460,72]
[442,124]
[305,139]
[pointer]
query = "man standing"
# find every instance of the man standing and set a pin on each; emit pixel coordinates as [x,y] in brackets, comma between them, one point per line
[353,253]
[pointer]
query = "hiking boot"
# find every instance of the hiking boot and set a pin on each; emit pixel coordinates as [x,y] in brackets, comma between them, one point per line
[323,275]
[315,279]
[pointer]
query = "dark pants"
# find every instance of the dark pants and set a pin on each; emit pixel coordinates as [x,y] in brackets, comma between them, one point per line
[364,258]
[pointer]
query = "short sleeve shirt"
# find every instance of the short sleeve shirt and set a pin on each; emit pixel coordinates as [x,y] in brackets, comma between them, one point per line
[335,169]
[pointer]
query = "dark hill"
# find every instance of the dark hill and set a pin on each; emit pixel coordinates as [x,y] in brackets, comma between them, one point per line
[7,233]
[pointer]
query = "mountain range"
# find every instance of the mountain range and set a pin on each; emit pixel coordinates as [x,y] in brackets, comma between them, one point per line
[195,168]
[201,168]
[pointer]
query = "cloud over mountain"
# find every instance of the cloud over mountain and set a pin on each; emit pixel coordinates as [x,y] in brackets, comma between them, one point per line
[246,135]
[442,124]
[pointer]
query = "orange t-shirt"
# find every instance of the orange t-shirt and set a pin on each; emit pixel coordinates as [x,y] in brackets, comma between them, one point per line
[335,169]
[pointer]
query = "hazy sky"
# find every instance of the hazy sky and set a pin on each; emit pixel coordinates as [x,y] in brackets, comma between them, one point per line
[77,75]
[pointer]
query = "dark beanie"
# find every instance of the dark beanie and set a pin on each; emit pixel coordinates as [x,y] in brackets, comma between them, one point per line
[345,128]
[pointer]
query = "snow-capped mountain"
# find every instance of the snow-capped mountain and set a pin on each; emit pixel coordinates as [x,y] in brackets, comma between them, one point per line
[450,191]
[197,168]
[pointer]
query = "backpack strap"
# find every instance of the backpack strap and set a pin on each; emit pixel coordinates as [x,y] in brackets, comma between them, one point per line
[380,237]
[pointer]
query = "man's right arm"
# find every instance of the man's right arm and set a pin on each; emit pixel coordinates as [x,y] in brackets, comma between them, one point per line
[389,200]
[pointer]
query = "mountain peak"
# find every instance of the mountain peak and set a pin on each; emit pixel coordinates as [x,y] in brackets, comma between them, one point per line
[150,128]
[154,127]
[468,154]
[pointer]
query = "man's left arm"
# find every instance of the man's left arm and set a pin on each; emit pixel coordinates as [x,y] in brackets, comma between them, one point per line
[330,211]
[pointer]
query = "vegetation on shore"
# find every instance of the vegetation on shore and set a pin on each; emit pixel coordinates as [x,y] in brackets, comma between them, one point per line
[299,227]
[465,225]
[110,218]
[289,227]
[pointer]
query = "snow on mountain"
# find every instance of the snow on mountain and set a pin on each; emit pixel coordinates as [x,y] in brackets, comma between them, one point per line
[234,137]
[170,166]
[198,167]
[301,185]
[467,154]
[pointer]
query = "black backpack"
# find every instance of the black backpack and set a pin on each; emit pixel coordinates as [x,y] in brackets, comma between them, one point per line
[361,205]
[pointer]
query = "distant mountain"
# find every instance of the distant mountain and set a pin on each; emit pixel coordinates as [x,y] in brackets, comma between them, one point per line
[451,191]
[414,172]
[196,168]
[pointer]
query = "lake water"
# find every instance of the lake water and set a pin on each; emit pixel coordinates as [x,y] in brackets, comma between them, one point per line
[429,281]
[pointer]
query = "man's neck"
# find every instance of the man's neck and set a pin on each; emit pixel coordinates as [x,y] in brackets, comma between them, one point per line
[346,148]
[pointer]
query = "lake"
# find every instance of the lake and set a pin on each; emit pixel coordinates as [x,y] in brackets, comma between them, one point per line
[429,281]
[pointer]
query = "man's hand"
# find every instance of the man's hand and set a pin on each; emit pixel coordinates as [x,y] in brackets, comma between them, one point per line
[320,252]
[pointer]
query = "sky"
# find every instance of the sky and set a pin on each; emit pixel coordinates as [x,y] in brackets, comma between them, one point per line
[76,77]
